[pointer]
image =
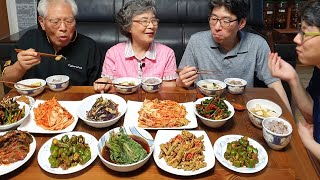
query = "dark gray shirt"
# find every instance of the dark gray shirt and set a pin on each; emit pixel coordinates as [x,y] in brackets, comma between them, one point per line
[249,56]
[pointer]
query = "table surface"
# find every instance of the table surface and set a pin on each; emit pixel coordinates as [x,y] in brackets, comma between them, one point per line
[290,163]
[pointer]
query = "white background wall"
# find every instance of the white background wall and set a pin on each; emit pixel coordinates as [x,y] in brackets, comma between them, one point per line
[21,14]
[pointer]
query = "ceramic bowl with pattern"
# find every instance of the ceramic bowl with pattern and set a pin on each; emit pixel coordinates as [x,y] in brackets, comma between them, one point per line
[259,109]
[142,134]
[130,84]
[277,132]
[211,87]
[30,91]
[151,84]
[235,85]
[58,82]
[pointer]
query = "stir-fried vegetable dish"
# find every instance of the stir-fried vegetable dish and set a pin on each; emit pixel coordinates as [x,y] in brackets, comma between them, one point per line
[69,152]
[241,154]
[103,110]
[10,111]
[123,149]
[214,108]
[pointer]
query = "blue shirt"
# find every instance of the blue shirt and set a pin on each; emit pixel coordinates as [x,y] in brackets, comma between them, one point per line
[314,91]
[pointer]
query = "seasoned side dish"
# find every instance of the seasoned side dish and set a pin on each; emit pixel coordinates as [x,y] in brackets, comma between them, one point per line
[51,115]
[185,151]
[124,149]
[162,113]
[69,152]
[103,110]
[214,108]
[10,111]
[14,146]
[241,154]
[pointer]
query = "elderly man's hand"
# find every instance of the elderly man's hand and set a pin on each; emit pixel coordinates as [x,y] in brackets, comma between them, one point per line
[28,58]
[280,68]
[102,87]
[187,76]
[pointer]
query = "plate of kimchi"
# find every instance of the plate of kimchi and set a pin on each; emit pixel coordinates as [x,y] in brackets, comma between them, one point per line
[51,116]
[160,114]
[15,142]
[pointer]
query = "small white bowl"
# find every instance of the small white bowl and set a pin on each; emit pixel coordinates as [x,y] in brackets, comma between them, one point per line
[210,122]
[127,89]
[19,122]
[130,131]
[204,87]
[58,82]
[274,140]
[235,88]
[151,84]
[30,91]
[256,119]
[87,103]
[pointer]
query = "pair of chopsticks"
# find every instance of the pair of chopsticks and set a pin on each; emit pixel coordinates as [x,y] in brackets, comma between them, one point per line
[20,84]
[99,82]
[200,71]
[56,57]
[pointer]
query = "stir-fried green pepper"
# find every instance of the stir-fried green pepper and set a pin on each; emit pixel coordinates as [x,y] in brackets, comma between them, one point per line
[10,111]
[214,108]
[241,154]
[68,152]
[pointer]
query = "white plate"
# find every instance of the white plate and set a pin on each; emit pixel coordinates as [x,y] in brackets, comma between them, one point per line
[164,136]
[31,100]
[44,153]
[30,124]
[4,169]
[132,116]
[220,147]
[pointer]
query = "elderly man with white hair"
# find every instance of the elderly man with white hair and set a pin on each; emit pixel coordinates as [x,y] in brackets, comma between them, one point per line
[57,36]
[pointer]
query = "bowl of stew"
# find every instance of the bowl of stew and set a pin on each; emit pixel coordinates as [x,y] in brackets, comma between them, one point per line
[133,141]
[235,85]
[151,84]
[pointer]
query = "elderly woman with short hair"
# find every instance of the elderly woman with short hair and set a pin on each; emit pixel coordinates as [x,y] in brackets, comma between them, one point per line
[308,101]
[140,56]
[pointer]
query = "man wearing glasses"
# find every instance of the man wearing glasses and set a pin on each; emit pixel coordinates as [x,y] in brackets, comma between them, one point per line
[58,36]
[308,101]
[227,50]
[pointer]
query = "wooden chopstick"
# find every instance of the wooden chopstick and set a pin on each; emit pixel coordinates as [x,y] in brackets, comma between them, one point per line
[99,82]
[57,57]
[20,84]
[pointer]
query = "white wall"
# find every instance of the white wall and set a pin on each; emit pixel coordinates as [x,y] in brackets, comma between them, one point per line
[21,14]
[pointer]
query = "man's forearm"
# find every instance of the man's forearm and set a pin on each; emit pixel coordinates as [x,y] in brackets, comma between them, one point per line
[13,73]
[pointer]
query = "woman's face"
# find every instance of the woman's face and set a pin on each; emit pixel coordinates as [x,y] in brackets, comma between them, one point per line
[144,27]
[307,45]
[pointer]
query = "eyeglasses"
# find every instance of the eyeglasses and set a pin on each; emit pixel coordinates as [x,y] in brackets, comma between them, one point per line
[306,34]
[56,22]
[225,23]
[146,22]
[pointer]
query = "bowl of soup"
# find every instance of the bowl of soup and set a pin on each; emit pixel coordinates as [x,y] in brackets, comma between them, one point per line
[259,109]
[39,85]
[126,85]
[135,143]
[211,87]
